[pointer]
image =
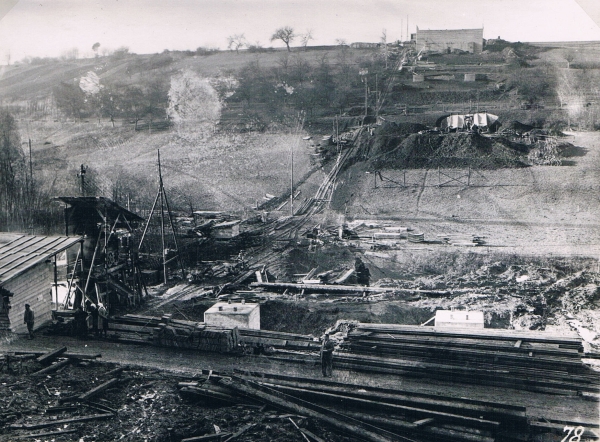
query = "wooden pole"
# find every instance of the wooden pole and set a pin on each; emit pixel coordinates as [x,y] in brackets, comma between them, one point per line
[174,235]
[149,218]
[162,220]
[292,179]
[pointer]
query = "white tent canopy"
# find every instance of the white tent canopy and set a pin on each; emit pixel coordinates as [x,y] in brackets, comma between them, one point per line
[481,120]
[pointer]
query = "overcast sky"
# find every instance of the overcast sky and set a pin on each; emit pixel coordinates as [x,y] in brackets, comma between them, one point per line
[50,27]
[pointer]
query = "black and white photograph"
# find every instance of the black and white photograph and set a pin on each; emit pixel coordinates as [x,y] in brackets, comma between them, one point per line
[300,221]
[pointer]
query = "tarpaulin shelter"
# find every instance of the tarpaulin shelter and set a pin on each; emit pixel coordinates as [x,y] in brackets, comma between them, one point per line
[482,120]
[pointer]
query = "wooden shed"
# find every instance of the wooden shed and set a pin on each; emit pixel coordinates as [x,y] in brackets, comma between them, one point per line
[27,275]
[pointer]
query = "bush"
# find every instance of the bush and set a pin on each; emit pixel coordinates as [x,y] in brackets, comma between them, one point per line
[206,51]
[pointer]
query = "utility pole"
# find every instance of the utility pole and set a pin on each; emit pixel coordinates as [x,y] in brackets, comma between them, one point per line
[30,164]
[162,220]
[291,179]
[81,175]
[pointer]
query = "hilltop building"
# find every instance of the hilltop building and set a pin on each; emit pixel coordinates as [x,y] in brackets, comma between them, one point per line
[449,40]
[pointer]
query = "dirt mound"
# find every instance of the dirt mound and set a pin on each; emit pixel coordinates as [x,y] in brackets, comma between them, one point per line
[517,125]
[453,150]
[390,135]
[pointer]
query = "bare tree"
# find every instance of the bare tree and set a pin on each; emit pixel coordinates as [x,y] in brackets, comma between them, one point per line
[306,37]
[384,46]
[285,34]
[236,42]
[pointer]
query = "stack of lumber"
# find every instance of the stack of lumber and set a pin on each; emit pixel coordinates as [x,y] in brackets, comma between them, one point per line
[170,332]
[196,335]
[280,340]
[462,240]
[368,413]
[535,361]
[415,237]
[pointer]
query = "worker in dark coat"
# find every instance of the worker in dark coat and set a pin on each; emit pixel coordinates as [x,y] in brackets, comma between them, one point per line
[28,318]
[80,321]
[93,312]
[327,356]
[363,275]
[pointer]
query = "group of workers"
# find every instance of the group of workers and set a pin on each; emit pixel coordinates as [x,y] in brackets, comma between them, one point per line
[80,320]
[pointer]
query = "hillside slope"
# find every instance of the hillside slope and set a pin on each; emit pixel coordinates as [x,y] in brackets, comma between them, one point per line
[537,210]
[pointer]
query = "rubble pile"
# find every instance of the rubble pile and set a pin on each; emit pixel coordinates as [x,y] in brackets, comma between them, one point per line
[457,149]
[89,400]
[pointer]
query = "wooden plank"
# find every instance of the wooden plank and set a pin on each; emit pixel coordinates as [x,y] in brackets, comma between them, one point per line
[344,276]
[48,357]
[115,372]
[73,420]
[49,433]
[209,437]
[324,288]
[52,368]
[81,355]
[238,433]
[100,388]
[423,422]
[298,428]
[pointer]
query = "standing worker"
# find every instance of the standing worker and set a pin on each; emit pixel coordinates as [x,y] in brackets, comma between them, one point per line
[363,275]
[80,320]
[93,312]
[28,318]
[103,312]
[327,356]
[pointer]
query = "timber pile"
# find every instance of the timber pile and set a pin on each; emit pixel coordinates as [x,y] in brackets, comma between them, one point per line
[462,240]
[534,361]
[367,413]
[168,332]
[279,340]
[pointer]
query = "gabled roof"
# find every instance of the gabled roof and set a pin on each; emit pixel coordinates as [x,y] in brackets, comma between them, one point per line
[100,204]
[19,253]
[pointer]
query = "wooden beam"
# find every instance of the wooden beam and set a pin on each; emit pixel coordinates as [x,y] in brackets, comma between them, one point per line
[52,368]
[49,433]
[325,287]
[60,422]
[209,437]
[100,388]
[48,357]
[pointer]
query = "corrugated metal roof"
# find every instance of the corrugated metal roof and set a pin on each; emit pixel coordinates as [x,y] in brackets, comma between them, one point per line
[21,252]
